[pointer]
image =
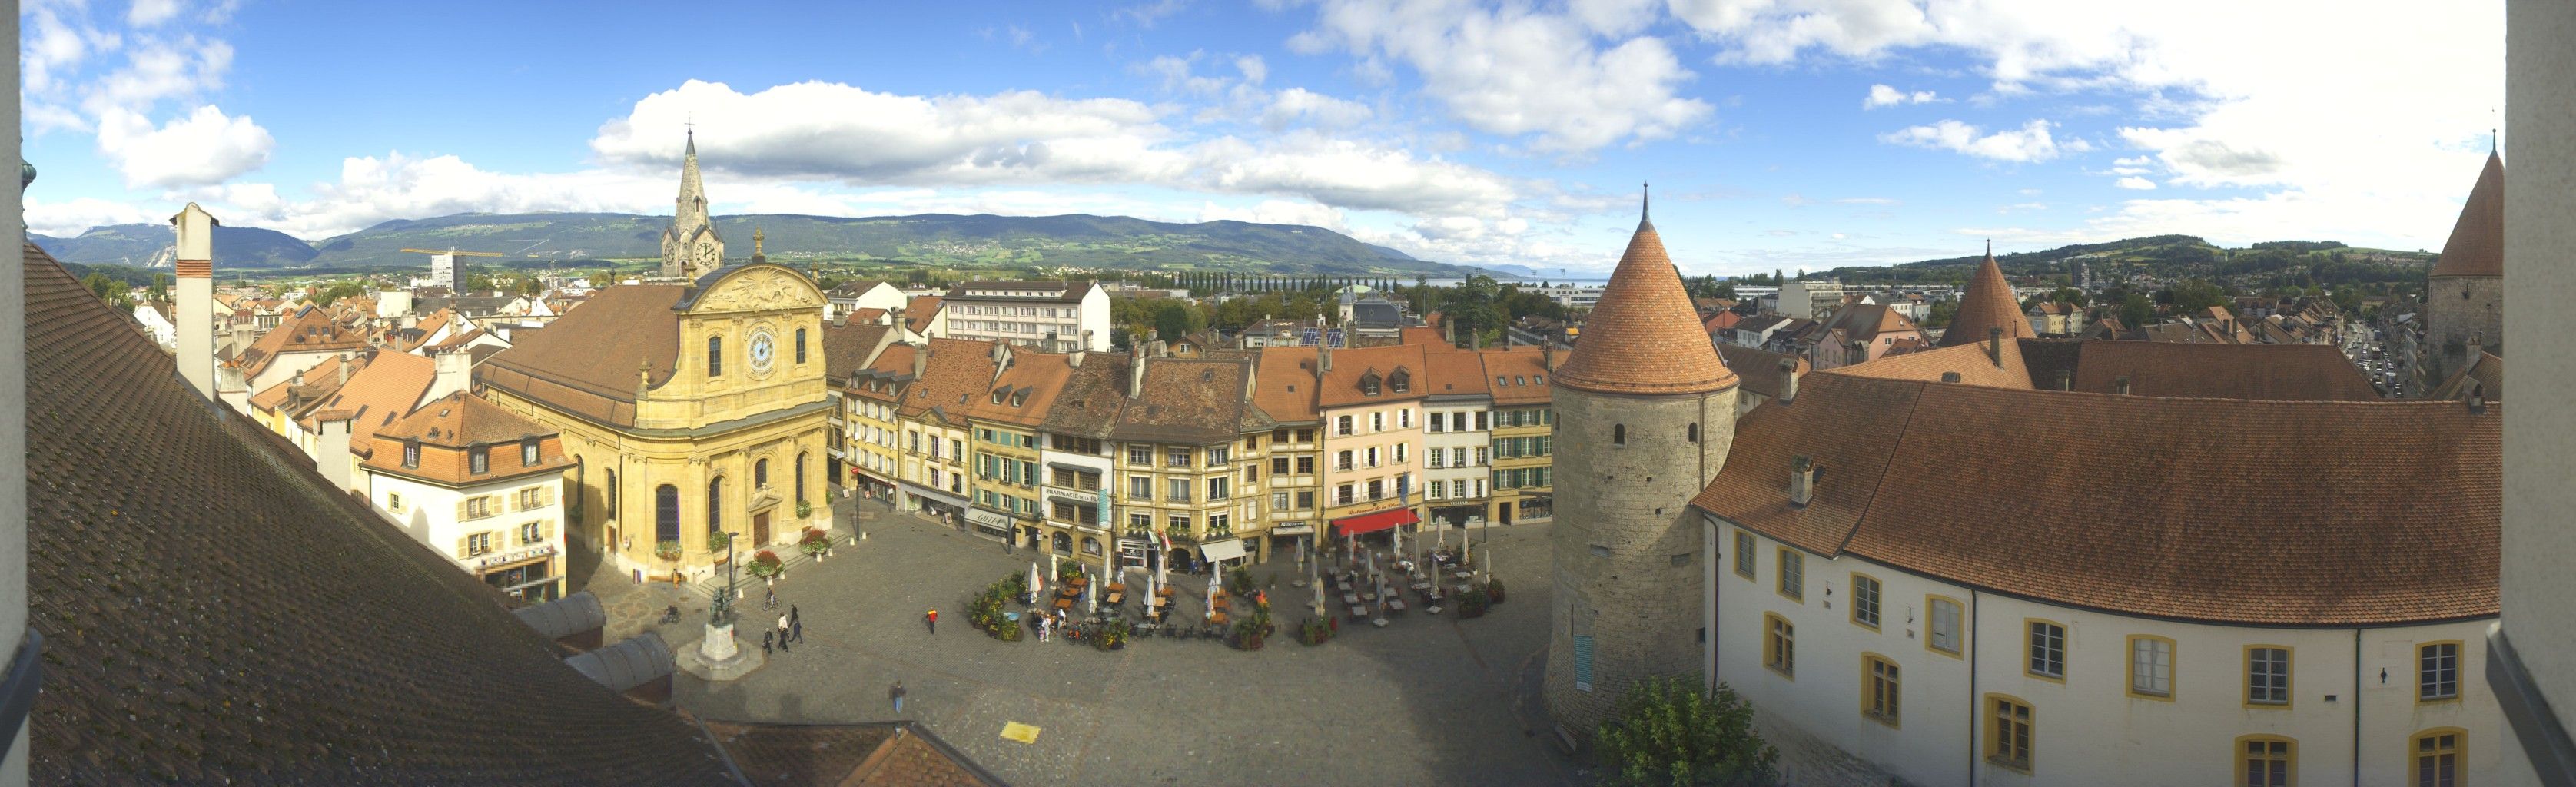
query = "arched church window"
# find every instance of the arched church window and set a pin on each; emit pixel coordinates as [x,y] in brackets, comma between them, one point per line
[1619,434]
[666,513]
[715,356]
[1694,433]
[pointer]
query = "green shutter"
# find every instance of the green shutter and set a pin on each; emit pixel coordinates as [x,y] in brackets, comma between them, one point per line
[1582,662]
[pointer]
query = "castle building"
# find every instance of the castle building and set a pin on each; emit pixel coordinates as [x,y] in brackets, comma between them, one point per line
[1645,414]
[2464,294]
[690,246]
[688,411]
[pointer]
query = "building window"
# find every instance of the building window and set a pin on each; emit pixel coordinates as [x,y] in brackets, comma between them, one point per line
[411,453]
[1864,608]
[1372,456]
[1179,491]
[2437,757]
[1780,645]
[800,345]
[1140,487]
[531,533]
[1342,426]
[2047,643]
[1305,465]
[2008,723]
[2151,667]
[1694,433]
[1342,460]
[2268,760]
[1878,696]
[715,356]
[1279,465]
[1140,455]
[1217,489]
[1342,495]
[760,474]
[1305,499]
[1180,525]
[715,506]
[1178,457]
[478,544]
[1618,434]
[393,502]
[2267,675]
[2437,672]
[800,477]
[1743,554]
[666,513]
[1377,422]
[479,459]
[1793,575]
[528,452]
[1945,625]
[531,497]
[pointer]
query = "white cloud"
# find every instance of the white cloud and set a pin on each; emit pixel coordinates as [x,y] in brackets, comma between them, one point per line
[2218,105]
[2138,183]
[146,13]
[1887,96]
[1519,71]
[1274,211]
[1253,68]
[1299,105]
[2030,143]
[68,219]
[203,148]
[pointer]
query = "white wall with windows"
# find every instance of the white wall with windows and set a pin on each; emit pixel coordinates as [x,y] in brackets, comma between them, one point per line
[482,527]
[1943,697]
[1457,452]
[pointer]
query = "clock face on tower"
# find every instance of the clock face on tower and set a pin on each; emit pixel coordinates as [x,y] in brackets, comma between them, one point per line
[764,347]
[706,253]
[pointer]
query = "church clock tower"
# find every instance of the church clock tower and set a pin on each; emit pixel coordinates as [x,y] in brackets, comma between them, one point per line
[690,247]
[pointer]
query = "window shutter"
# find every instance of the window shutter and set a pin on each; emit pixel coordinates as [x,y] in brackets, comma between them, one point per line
[545,496]
[460,510]
[460,549]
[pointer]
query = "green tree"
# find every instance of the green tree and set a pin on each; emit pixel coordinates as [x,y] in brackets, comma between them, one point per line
[1173,320]
[1668,732]
[109,289]
[2136,311]
[338,290]
[160,290]
[2196,295]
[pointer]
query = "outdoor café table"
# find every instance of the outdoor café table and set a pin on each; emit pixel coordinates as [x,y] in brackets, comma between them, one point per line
[1115,597]
[1463,575]
[1064,603]
[1117,587]
[1352,599]
[1076,582]
[1217,618]
[1166,592]
[1359,612]
[1395,604]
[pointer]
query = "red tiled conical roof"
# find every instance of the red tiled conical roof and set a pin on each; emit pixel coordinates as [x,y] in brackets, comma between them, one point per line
[2477,241]
[1987,303]
[1643,336]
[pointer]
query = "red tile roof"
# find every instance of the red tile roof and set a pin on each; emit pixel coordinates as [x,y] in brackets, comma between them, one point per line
[1341,385]
[2274,372]
[1987,303]
[2365,513]
[586,362]
[1284,385]
[1643,337]
[2476,247]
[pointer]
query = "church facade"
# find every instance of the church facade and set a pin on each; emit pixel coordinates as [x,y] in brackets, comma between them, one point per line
[690,246]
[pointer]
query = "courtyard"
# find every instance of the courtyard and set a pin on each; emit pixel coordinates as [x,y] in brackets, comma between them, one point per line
[1428,699]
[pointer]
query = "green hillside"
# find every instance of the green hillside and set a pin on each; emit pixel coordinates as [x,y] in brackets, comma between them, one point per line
[2170,258]
[148,246]
[983,241]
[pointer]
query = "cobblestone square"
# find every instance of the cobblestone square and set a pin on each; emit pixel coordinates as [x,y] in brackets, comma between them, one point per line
[1427,700]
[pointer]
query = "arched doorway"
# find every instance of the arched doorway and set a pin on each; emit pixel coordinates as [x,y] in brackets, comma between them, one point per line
[1063,544]
[1179,559]
[1090,546]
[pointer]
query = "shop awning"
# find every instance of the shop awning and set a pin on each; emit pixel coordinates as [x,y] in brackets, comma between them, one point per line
[1373,522]
[990,520]
[1228,549]
[1291,529]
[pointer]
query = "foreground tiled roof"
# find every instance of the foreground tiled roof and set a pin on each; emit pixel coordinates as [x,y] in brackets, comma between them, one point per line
[2357,513]
[214,613]
[2476,247]
[1284,387]
[847,345]
[2275,372]
[2484,377]
[1758,370]
[380,393]
[1970,361]
[1987,302]
[1188,400]
[893,754]
[1643,337]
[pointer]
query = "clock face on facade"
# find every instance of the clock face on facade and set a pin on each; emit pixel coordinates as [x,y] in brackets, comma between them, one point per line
[764,347]
[706,252]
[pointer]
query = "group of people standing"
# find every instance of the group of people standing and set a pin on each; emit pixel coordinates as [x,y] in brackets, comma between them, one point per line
[791,629]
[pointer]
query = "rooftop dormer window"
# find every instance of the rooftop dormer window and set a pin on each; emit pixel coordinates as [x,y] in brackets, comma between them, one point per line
[1369,384]
[1401,381]
[411,453]
[479,459]
[528,452]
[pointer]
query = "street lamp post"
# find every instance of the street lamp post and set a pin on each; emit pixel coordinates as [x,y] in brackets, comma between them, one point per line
[721,612]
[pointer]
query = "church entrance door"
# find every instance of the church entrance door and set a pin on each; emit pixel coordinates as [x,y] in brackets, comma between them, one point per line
[760,530]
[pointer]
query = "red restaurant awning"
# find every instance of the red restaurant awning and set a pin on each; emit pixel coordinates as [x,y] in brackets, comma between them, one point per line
[1373,522]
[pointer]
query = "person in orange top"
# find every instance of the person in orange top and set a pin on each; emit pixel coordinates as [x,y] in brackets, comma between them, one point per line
[933,617]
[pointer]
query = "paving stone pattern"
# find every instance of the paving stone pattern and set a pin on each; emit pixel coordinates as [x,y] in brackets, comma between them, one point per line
[1429,700]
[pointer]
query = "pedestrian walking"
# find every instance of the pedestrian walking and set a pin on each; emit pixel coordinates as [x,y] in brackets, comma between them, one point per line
[933,618]
[764,643]
[897,694]
[796,631]
[791,613]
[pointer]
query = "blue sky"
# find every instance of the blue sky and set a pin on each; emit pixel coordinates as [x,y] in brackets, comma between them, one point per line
[1778,133]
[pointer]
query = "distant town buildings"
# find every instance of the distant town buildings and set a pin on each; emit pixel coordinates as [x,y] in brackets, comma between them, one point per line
[1050,316]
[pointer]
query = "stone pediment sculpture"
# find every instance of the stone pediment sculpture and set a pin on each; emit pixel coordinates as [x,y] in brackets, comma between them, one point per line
[760,289]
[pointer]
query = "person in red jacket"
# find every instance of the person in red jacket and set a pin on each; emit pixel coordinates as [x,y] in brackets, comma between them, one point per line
[933,617]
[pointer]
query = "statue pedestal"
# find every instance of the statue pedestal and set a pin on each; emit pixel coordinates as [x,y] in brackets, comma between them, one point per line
[718,657]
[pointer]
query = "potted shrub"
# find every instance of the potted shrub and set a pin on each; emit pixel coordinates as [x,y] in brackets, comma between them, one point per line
[667,550]
[1472,603]
[1247,634]
[1494,590]
[766,565]
[804,509]
[717,541]
[1316,632]
[1015,586]
[815,543]
[1067,570]
[1114,635]
[1239,581]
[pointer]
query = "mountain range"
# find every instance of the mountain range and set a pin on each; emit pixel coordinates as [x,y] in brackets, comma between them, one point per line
[942,240]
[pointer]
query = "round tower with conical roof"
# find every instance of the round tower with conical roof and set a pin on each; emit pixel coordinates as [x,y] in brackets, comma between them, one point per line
[2464,293]
[1645,413]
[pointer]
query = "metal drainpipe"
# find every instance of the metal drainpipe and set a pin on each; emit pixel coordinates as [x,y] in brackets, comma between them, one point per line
[2356,708]
[1708,615]
[1977,703]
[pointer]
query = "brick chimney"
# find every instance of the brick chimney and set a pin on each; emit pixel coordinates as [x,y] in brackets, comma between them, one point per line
[1802,481]
[1547,353]
[1136,372]
[196,297]
[455,372]
[1788,381]
[1995,345]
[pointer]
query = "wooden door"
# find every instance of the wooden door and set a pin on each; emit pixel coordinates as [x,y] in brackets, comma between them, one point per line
[760,530]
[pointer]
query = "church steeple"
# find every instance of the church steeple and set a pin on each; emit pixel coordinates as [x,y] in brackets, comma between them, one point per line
[691,247]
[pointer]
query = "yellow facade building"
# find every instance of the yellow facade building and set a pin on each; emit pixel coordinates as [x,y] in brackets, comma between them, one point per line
[689,410]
